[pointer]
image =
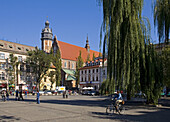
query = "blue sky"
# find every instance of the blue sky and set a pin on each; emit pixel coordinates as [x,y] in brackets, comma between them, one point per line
[71,20]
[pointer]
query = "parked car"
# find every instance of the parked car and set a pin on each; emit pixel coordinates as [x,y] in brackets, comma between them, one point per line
[93,93]
[59,92]
[47,92]
[86,93]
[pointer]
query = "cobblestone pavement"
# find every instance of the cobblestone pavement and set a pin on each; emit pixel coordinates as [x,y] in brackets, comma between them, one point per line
[78,109]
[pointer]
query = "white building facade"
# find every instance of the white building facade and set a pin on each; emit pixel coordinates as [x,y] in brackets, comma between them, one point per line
[24,75]
[93,73]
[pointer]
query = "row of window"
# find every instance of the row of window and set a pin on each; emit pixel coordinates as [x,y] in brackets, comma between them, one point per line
[22,68]
[93,64]
[10,46]
[2,76]
[22,77]
[93,71]
[2,56]
[65,65]
[89,79]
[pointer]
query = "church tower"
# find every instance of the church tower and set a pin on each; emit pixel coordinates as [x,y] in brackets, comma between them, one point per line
[46,38]
[87,46]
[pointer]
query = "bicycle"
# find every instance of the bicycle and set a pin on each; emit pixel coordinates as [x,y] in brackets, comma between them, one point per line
[112,108]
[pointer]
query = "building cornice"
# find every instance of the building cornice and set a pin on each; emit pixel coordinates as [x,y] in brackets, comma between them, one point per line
[12,51]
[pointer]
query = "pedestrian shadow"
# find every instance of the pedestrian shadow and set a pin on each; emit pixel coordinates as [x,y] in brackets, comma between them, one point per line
[5,118]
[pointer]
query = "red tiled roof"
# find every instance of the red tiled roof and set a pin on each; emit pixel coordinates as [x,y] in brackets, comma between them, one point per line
[71,52]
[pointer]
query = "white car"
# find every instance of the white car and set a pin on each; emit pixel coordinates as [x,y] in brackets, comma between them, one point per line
[48,92]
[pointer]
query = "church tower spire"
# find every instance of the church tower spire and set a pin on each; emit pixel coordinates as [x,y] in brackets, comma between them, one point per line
[46,38]
[87,46]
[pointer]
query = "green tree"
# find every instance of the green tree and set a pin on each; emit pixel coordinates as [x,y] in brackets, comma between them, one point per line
[40,63]
[78,66]
[133,64]
[88,58]
[13,69]
[51,74]
[123,41]
[57,64]
[100,55]
[93,57]
[166,66]
[162,19]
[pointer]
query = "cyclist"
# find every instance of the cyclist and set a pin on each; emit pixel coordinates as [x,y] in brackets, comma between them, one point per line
[118,99]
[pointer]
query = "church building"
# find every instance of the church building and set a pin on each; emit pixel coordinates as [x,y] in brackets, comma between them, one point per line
[69,54]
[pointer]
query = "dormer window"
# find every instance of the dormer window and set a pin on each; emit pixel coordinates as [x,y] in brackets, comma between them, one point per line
[10,46]
[1,45]
[19,48]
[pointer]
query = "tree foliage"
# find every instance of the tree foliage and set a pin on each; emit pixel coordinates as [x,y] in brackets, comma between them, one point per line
[122,39]
[51,74]
[166,66]
[40,63]
[88,58]
[56,60]
[133,64]
[13,69]
[93,57]
[162,19]
[78,66]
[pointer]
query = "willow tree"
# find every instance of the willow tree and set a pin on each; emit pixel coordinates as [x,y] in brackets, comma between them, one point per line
[166,66]
[123,43]
[162,19]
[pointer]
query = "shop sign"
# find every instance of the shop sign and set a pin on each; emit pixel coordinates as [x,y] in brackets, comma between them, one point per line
[61,88]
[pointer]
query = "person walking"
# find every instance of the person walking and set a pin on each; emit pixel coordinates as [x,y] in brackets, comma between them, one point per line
[16,97]
[3,96]
[20,95]
[67,93]
[64,93]
[26,94]
[38,97]
[7,95]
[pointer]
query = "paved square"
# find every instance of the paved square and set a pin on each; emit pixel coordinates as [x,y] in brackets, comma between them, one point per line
[75,109]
